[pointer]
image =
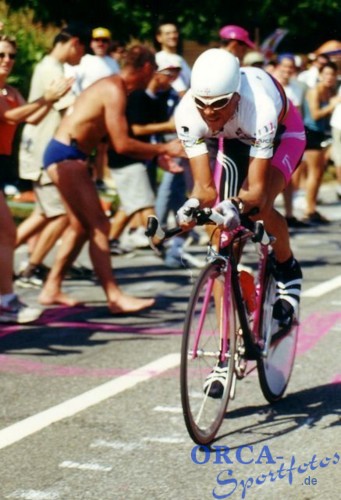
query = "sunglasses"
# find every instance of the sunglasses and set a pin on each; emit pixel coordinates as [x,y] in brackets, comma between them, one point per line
[215,103]
[11,55]
[103,40]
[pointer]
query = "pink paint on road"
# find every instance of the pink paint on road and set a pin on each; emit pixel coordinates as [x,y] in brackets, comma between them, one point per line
[313,328]
[336,379]
[10,364]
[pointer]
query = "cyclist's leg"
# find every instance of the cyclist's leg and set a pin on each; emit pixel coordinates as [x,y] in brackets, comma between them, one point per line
[287,156]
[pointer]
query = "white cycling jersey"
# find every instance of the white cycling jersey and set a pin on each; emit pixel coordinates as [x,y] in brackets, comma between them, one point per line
[255,121]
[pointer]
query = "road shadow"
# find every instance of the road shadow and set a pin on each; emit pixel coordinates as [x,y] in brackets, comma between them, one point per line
[60,330]
[304,408]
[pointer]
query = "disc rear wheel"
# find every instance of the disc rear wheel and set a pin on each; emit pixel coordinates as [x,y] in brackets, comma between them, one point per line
[274,369]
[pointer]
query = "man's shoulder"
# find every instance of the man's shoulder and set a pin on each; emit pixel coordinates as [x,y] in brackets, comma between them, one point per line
[256,81]
[108,86]
[47,69]
[49,62]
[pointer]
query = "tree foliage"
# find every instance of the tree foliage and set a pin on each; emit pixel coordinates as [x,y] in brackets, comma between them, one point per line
[310,22]
[33,39]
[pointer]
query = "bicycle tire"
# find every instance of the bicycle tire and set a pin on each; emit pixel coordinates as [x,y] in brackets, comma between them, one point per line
[275,369]
[203,414]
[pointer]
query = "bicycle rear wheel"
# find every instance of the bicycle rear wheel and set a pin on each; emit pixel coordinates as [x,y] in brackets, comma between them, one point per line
[275,368]
[210,312]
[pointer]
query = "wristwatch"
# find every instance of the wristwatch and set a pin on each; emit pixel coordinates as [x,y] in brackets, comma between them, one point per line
[239,204]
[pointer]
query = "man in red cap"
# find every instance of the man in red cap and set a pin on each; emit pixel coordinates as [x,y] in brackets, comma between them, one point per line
[236,40]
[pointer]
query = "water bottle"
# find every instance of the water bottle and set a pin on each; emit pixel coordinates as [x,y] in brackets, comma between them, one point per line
[247,283]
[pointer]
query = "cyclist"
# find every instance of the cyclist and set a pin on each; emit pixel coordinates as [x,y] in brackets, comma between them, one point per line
[265,143]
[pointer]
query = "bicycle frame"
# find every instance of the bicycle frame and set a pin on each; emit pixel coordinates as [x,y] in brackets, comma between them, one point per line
[251,337]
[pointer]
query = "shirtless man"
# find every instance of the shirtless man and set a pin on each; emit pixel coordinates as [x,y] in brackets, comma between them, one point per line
[97,112]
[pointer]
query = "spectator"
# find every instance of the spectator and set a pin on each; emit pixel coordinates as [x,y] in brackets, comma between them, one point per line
[49,215]
[319,104]
[310,76]
[96,65]
[236,40]
[172,191]
[173,187]
[254,58]
[270,66]
[92,67]
[99,110]
[147,118]
[14,110]
[117,50]
[167,36]
[335,123]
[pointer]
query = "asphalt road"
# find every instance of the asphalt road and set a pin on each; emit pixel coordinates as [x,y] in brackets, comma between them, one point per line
[90,403]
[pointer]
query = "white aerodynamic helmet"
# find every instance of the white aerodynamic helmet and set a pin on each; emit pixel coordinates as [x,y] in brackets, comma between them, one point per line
[214,73]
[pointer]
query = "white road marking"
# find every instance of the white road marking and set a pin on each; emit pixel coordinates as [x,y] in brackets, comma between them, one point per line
[34,495]
[35,423]
[125,446]
[323,288]
[164,440]
[168,409]
[115,445]
[68,464]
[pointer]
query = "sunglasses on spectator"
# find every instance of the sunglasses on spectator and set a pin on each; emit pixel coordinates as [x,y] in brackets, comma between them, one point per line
[215,103]
[103,40]
[11,55]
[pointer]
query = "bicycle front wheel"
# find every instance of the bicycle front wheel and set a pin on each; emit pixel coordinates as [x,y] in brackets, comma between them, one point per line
[210,325]
[275,367]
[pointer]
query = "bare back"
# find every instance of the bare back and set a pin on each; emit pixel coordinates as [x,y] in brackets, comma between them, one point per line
[97,112]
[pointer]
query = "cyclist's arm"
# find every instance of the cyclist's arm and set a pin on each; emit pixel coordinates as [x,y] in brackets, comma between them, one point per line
[204,188]
[261,186]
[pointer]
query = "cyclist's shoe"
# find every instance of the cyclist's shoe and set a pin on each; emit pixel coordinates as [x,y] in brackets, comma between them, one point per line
[289,281]
[215,383]
[18,312]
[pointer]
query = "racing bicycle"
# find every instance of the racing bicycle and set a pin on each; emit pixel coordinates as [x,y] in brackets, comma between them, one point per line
[229,324]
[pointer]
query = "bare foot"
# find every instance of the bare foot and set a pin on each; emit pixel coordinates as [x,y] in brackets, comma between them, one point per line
[128,304]
[59,298]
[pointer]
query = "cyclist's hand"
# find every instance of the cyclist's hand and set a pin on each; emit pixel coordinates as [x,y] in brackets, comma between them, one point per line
[185,213]
[230,213]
